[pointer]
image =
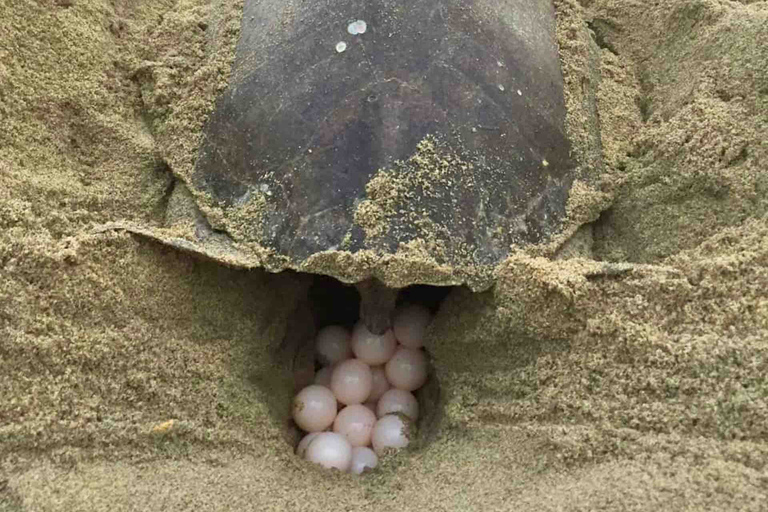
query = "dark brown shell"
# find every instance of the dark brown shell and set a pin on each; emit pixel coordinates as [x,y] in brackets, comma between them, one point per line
[454,108]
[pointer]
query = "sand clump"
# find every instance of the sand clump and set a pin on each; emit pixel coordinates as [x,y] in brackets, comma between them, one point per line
[627,373]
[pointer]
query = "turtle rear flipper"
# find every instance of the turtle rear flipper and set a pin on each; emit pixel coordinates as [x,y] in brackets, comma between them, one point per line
[377,305]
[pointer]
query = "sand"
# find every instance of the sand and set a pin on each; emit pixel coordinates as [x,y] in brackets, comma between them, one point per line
[623,369]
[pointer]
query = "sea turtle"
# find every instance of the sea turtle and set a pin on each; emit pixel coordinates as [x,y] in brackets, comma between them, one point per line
[386,142]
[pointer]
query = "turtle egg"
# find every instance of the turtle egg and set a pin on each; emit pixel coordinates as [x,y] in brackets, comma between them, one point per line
[362,458]
[380,383]
[351,381]
[355,422]
[391,431]
[397,400]
[372,348]
[330,450]
[407,369]
[410,324]
[301,450]
[332,345]
[314,408]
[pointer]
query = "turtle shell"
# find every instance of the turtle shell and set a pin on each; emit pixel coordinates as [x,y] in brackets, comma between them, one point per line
[431,128]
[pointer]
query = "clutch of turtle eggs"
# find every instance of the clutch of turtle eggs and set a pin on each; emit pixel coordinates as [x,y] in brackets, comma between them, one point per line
[361,404]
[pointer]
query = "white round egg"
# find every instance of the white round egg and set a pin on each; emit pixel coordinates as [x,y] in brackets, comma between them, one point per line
[330,450]
[351,381]
[391,431]
[407,369]
[301,449]
[372,348]
[363,458]
[314,408]
[333,344]
[380,384]
[355,422]
[398,400]
[410,324]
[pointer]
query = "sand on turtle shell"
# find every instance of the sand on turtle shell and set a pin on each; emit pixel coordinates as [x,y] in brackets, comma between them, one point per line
[628,372]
